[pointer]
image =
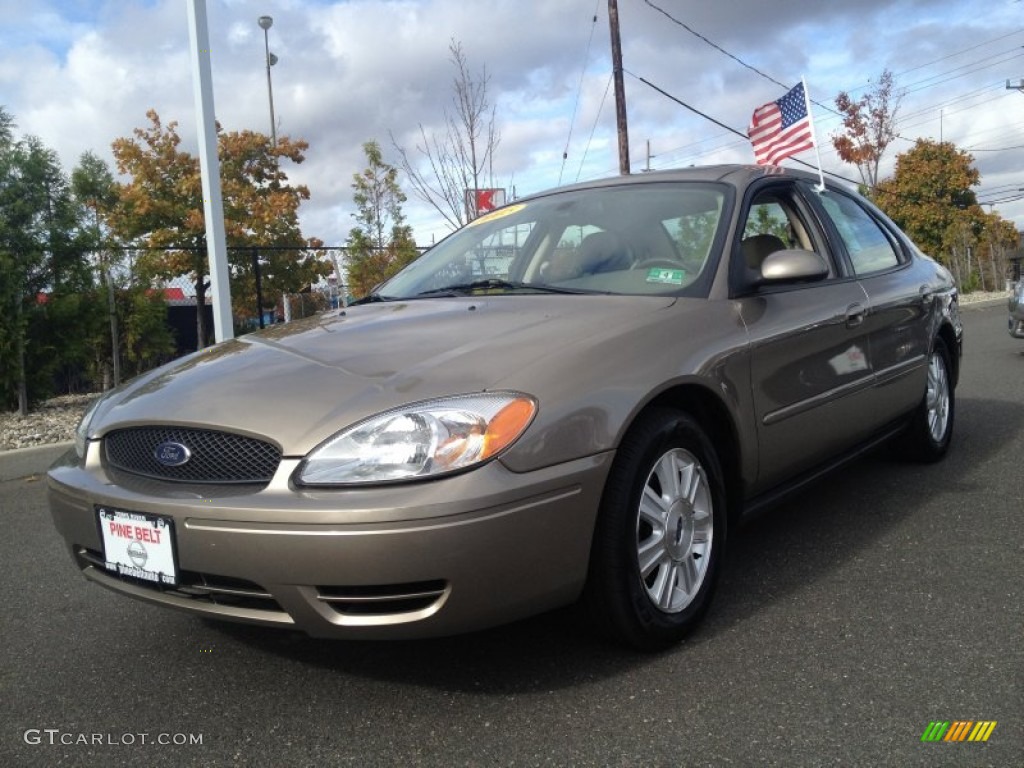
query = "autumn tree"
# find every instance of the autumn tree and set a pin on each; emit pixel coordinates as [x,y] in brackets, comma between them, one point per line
[160,208]
[999,238]
[869,127]
[261,214]
[462,157]
[930,195]
[381,243]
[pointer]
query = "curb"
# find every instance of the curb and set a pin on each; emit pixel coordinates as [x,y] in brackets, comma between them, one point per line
[984,303]
[22,462]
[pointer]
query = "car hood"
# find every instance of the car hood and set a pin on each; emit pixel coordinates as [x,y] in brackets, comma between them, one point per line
[297,384]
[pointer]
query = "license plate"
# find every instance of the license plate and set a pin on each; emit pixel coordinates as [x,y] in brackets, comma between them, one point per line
[138,545]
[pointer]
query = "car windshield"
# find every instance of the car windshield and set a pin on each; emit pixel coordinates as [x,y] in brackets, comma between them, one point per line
[641,239]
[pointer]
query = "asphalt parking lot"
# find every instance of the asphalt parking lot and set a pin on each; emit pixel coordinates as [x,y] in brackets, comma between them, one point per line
[887,597]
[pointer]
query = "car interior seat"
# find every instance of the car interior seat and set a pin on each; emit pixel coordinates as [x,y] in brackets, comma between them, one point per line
[603,252]
[757,247]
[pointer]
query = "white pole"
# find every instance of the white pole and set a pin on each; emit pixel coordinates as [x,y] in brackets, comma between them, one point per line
[814,135]
[209,164]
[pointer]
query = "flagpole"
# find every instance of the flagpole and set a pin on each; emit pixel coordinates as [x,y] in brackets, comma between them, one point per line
[814,135]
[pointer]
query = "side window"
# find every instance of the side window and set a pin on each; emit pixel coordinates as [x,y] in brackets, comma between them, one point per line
[870,247]
[769,218]
[773,223]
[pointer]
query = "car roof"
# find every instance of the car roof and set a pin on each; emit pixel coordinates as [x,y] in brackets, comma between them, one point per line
[739,176]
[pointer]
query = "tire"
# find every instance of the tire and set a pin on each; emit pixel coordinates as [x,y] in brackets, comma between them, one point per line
[931,429]
[660,533]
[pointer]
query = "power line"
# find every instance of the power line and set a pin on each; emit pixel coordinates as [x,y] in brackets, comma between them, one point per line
[714,45]
[911,89]
[732,56]
[957,99]
[957,53]
[827,108]
[720,124]
[594,128]
[923,84]
[579,90]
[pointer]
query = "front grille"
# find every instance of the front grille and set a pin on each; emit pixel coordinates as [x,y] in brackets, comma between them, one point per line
[196,587]
[384,599]
[216,457]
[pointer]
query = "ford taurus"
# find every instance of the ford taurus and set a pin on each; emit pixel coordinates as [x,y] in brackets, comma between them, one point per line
[575,397]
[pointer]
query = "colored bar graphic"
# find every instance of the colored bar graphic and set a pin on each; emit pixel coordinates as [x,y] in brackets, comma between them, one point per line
[982,731]
[958,730]
[935,731]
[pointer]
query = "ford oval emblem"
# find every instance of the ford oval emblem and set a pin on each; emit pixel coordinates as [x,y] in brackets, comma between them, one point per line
[172,454]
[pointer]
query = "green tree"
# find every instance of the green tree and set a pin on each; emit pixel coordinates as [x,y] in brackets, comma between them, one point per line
[43,270]
[93,186]
[381,243]
[763,222]
[147,339]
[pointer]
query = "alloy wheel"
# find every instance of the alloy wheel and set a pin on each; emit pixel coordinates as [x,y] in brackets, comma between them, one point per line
[674,530]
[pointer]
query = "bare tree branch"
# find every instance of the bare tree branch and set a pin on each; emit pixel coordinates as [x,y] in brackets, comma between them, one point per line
[459,159]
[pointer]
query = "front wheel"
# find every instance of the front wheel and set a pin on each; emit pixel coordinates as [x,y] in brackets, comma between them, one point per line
[660,533]
[931,430]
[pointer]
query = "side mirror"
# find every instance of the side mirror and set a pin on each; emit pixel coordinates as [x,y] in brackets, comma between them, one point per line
[792,266]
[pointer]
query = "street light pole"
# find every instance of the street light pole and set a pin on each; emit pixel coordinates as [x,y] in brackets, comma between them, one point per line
[266,22]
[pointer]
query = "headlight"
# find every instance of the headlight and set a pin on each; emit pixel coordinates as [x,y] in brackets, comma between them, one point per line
[420,440]
[82,430]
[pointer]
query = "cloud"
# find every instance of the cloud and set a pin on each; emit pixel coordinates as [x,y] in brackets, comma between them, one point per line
[80,74]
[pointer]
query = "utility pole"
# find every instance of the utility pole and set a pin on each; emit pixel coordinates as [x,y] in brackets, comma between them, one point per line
[620,89]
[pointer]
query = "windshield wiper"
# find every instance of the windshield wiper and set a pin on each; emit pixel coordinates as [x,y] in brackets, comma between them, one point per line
[370,298]
[494,283]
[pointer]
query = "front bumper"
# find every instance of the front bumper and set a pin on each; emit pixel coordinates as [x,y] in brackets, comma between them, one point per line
[1016,325]
[1016,319]
[413,560]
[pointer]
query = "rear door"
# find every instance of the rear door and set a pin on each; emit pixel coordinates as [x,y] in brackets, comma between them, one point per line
[897,317]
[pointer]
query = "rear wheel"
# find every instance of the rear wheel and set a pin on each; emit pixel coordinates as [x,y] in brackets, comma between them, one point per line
[929,434]
[660,533]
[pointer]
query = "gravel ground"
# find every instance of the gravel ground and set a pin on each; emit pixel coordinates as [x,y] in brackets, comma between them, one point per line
[54,421]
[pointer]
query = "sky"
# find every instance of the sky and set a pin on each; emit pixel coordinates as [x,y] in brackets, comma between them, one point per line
[80,73]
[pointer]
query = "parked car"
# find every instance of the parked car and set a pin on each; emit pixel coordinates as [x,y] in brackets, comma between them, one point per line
[578,395]
[1016,320]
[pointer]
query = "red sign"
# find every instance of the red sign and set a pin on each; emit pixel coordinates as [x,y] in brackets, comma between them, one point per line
[480,201]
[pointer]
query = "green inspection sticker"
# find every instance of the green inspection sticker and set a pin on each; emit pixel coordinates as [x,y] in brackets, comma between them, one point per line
[666,276]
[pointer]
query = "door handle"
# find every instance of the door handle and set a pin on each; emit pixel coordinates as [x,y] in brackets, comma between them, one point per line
[855,315]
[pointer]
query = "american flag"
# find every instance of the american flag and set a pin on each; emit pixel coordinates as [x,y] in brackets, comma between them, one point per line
[781,128]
